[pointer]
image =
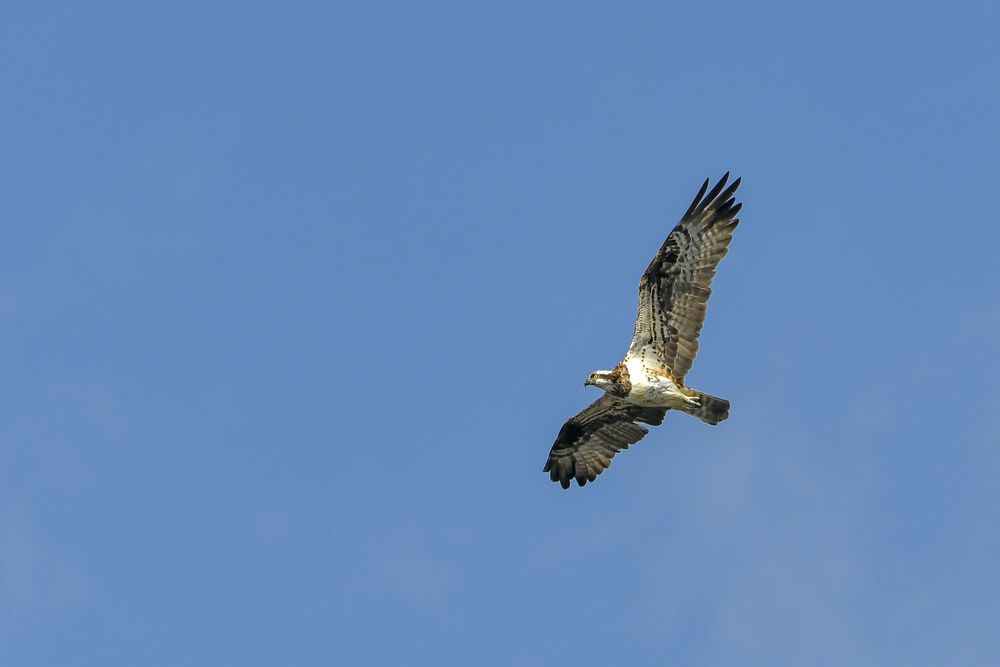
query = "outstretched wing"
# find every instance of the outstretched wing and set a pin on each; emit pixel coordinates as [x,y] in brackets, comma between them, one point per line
[587,442]
[674,290]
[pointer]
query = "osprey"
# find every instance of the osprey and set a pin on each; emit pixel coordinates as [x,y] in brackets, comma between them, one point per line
[673,294]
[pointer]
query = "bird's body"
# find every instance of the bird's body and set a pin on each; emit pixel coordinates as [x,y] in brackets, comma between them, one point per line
[649,380]
[651,386]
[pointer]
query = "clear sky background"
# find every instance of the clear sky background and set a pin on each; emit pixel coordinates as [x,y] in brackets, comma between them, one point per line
[294,298]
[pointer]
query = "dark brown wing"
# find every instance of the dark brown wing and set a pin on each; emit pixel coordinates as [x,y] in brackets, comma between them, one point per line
[674,291]
[587,442]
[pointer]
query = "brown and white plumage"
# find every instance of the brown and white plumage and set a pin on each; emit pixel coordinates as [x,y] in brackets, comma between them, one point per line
[674,290]
[673,294]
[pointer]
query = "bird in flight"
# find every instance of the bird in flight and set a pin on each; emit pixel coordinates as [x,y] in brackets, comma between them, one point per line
[673,294]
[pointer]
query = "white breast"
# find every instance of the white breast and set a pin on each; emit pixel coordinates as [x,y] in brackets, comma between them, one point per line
[651,389]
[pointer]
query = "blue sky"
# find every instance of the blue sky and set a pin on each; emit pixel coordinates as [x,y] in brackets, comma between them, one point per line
[294,299]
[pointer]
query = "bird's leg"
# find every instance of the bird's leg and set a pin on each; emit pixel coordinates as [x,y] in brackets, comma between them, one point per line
[691,400]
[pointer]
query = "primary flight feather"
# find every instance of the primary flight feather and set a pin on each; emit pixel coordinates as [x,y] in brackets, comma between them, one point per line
[673,295]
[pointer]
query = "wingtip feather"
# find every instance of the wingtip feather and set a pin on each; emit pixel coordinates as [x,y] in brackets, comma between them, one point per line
[697,198]
[710,198]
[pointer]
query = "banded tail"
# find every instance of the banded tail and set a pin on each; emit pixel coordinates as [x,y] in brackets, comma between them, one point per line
[710,409]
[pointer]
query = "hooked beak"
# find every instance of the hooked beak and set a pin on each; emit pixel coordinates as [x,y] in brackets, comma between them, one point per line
[587,382]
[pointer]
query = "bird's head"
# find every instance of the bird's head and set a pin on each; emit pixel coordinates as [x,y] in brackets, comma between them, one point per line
[610,381]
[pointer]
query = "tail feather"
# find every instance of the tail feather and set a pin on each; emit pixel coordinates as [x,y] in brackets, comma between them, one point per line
[711,409]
